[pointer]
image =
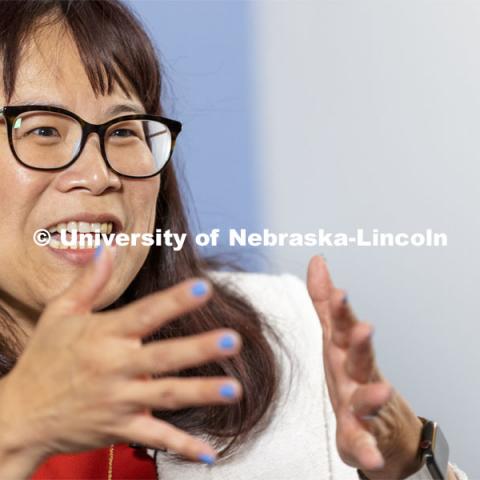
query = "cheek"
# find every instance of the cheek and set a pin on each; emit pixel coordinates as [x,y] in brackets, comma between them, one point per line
[141,202]
[20,193]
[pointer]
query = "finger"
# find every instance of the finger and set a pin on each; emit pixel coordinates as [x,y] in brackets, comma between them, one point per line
[368,399]
[320,288]
[175,393]
[158,434]
[151,312]
[360,361]
[180,353]
[81,294]
[356,444]
[343,319]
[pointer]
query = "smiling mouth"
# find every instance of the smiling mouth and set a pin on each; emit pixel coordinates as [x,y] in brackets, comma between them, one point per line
[72,232]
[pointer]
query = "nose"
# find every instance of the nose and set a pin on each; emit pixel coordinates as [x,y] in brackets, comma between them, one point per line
[89,172]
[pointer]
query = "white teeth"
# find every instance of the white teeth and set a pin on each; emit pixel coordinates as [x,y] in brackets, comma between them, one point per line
[83,227]
[79,227]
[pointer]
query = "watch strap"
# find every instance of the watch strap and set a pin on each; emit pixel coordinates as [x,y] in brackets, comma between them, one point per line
[425,442]
[422,474]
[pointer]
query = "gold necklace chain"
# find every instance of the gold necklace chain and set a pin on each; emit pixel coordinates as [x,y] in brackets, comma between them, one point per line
[110,461]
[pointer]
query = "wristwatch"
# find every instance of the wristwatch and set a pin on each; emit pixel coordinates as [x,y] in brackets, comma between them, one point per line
[433,450]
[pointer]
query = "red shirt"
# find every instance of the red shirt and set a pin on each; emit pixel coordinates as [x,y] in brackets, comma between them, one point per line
[128,464]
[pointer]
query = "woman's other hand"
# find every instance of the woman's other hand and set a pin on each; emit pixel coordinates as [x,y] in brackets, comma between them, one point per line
[84,378]
[377,431]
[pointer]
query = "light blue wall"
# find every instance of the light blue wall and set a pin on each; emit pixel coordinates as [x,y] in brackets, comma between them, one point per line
[205,50]
[386,100]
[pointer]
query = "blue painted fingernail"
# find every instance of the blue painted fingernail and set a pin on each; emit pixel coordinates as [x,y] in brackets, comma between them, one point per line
[199,288]
[98,252]
[206,458]
[345,300]
[226,342]
[227,391]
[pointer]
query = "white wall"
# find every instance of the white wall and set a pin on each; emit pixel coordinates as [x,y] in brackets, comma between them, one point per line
[370,117]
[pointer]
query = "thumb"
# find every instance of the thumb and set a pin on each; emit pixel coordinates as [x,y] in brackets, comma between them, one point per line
[81,294]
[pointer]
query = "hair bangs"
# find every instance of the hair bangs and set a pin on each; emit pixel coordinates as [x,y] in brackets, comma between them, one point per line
[112,51]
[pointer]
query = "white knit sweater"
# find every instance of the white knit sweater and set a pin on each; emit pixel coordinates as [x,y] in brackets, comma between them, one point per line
[299,443]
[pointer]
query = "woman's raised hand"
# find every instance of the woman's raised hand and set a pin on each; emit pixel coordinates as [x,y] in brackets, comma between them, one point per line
[84,379]
[377,431]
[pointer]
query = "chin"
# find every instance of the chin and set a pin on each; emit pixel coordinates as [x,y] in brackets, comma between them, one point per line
[107,298]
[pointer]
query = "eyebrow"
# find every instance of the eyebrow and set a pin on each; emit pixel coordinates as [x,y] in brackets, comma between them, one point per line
[111,111]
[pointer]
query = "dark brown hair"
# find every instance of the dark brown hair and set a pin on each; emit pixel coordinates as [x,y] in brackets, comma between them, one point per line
[111,40]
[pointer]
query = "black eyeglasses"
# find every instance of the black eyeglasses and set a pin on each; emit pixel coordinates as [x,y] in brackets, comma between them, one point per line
[51,138]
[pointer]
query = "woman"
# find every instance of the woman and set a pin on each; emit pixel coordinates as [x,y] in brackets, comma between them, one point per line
[96,351]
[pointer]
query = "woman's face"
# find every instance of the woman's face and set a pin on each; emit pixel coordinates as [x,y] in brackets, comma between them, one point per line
[51,72]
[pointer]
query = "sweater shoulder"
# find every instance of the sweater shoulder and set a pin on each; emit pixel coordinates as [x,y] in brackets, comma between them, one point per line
[282,298]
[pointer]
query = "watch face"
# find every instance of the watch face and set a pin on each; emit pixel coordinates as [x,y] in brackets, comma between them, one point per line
[437,459]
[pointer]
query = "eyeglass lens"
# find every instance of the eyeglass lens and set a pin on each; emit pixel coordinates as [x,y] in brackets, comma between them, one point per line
[51,140]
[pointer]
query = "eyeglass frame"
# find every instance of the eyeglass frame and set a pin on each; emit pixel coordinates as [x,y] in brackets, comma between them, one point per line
[10,113]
